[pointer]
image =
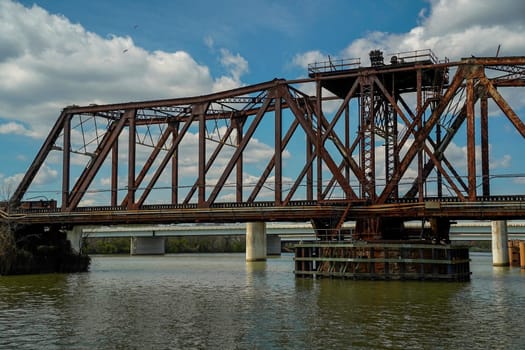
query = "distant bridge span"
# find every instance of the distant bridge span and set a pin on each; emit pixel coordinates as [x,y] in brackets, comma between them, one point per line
[466,231]
[347,143]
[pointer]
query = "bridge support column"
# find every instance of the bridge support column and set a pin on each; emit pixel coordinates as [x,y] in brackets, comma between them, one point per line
[147,246]
[273,246]
[75,238]
[255,241]
[500,252]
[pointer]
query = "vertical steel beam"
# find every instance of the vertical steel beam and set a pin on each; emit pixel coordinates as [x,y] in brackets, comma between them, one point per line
[238,152]
[278,151]
[419,109]
[309,154]
[131,159]
[348,162]
[114,174]
[395,149]
[151,159]
[175,165]
[439,176]
[320,139]
[318,143]
[422,135]
[201,193]
[271,164]
[367,133]
[167,158]
[347,140]
[211,160]
[239,167]
[362,142]
[471,141]
[439,149]
[66,160]
[484,126]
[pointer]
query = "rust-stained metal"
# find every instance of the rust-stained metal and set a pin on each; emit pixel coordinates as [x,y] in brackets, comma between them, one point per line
[386,122]
[382,261]
[484,125]
[471,141]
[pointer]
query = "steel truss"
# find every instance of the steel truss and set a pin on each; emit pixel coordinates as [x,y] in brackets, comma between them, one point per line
[388,120]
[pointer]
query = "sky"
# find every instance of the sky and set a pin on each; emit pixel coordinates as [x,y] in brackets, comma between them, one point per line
[55,53]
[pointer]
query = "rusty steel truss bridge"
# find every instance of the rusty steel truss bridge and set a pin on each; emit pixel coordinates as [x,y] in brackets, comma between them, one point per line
[350,142]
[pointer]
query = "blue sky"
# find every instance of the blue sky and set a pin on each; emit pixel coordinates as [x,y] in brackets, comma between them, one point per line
[56,53]
[268,34]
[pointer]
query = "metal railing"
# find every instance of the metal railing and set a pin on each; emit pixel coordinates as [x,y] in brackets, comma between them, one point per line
[413,56]
[334,65]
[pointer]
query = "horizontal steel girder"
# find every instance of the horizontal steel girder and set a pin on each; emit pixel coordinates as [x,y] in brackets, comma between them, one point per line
[407,211]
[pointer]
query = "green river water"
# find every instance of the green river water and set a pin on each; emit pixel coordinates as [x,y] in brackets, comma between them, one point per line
[218,301]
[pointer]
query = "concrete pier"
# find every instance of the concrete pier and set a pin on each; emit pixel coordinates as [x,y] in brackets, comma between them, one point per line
[75,237]
[255,241]
[147,246]
[500,252]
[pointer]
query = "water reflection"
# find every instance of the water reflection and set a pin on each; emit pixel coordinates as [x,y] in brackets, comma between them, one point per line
[220,301]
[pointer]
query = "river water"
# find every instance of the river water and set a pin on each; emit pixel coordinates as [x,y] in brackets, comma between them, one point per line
[218,301]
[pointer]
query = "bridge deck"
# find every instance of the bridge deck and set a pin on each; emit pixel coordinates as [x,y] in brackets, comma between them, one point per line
[507,207]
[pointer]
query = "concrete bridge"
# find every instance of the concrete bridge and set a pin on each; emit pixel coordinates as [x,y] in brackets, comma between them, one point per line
[149,239]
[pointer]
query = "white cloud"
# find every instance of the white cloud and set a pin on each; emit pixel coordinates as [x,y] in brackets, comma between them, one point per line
[13,128]
[47,63]
[503,163]
[309,57]
[8,185]
[236,66]
[45,175]
[451,28]
[455,15]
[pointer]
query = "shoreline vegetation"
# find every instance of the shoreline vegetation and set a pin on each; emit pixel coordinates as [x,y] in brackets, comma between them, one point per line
[174,245]
[210,244]
[36,250]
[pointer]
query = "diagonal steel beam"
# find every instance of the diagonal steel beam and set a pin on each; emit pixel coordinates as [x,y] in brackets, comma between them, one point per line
[218,149]
[165,160]
[40,157]
[439,152]
[330,134]
[89,173]
[503,105]
[271,163]
[422,135]
[323,154]
[149,162]
[246,138]
[435,161]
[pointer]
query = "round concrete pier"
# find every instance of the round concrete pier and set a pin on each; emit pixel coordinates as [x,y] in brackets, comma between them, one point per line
[255,241]
[500,252]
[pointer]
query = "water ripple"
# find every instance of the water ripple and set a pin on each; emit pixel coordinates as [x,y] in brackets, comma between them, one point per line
[220,301]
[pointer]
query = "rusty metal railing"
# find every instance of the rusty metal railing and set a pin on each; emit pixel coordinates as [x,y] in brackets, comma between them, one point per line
[334,65]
